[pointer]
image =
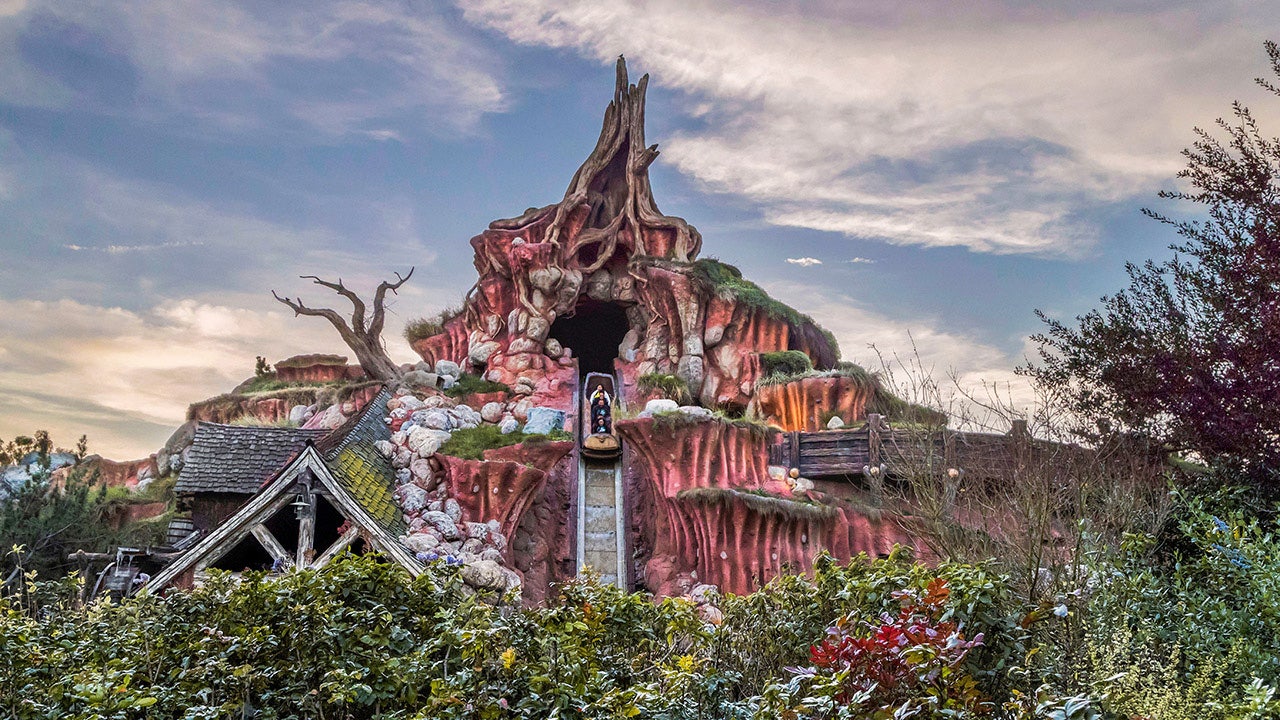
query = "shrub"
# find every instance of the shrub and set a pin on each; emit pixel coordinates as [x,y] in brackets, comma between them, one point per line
[899,665]
[470,443]
[668,386]
[785,362]
[473,384]
[425,327]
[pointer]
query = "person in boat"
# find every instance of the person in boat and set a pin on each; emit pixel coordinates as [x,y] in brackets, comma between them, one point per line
[600,392]
[600,414]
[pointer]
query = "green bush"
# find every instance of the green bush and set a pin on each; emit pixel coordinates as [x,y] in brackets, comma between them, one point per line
[668,386]
[785,362]
[425,327]
[472,384]
[470,443]
[362,639]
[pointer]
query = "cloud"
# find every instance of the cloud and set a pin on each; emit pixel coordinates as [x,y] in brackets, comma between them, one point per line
[119,249]
[804,261]
[992,126]
[860,260]
[125,378]
[333,67]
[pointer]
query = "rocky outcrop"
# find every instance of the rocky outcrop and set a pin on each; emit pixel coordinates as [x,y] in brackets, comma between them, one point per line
[806,403]
[605,250]
[317,368]
[707,509]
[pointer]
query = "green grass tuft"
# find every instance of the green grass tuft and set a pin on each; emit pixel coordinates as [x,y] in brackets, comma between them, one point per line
[785,362]
[470,444]
[669,386]
[426,327]
[473,384]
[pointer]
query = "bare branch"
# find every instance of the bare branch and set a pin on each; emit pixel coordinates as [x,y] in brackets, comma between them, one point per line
[357,305]
[379,311]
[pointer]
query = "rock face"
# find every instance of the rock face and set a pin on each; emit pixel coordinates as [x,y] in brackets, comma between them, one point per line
[708,510]
[317,368]
[604,276]
[802,403]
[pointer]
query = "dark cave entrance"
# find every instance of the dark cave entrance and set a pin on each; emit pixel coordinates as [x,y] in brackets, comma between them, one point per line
[594,332]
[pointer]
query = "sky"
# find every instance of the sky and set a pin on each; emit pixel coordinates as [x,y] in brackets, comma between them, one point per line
[919,176]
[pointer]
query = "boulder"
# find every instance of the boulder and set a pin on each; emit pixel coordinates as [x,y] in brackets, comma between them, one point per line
[299,414]
[835,423]
[444,524]
[465,417]
[412,498]
[486,575]
[543,420]
[419,379]
[508,425]
[658,406]
[420,469]
[479,353]
[477,531]
[424,441]
[420,542]
[448,368]
[411,403]
[491,412]
[695,411]
[386,448]
[453,510]
[436,419]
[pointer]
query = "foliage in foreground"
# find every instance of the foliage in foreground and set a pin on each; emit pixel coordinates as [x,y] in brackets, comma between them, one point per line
[362,639]
[1188,632]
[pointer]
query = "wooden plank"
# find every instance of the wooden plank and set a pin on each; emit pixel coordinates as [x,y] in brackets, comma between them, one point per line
[272,546]
[306,541]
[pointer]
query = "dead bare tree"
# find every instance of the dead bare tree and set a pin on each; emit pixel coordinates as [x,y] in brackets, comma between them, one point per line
[364,333]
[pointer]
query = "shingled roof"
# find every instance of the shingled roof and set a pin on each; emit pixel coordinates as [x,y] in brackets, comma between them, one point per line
[363,472]
[238,459]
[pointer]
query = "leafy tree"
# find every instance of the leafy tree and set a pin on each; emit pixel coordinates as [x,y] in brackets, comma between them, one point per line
[1189,353]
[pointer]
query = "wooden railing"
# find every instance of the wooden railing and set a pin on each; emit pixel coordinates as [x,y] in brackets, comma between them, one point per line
[833,453]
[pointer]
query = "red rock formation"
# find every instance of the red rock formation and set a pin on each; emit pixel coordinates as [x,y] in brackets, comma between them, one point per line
[501,486]
[316,368]
[706,510]
[606,243]
[801,404]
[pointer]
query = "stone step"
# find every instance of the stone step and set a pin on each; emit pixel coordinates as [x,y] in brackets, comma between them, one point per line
[600,519]
[603,541]
[602,560]
[599,495]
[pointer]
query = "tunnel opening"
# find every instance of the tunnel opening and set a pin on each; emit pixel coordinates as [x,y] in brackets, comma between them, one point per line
[594,332]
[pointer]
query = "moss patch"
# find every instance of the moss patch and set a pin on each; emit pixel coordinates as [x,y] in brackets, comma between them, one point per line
[426,327]
[669,386]
[786,362]
[473,384]
[470,444]
[759,502]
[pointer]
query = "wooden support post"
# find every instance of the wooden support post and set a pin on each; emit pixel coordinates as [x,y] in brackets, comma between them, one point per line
[875,475]
[306,526]
[271,544]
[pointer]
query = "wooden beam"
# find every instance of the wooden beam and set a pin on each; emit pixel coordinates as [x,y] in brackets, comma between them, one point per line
[306,537]
[342,543]
[271,544]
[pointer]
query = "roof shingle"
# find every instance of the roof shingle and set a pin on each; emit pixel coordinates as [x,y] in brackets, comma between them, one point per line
[238,459]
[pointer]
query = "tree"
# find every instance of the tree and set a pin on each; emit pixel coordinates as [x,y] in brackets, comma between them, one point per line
[364,333]
[1189,352]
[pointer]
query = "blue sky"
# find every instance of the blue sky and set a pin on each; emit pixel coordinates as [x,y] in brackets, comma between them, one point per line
[923,172]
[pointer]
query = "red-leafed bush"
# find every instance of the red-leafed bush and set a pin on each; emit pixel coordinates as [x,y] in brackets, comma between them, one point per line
[911,662]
